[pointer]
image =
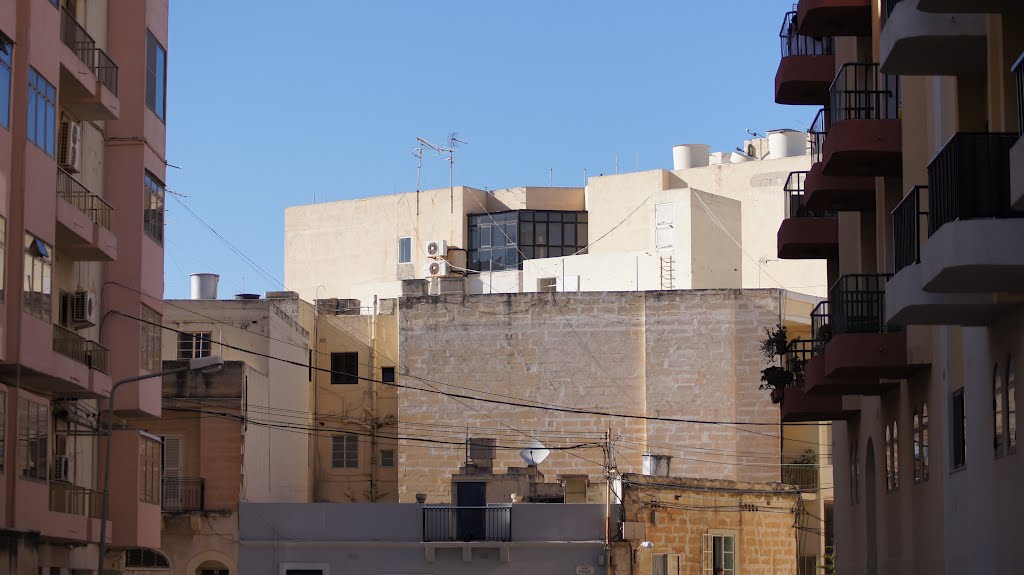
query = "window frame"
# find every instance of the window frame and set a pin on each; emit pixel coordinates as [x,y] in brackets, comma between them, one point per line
[349,454]
[383,460]
[406,249]
[286,568]
[190,345]
[154,204]
[667,560]
[150,470]
[387,374]
[33,426]
[998,413]
[958,431]
[709,537]
[6,79]
[150,339]
[159,75]
[1010,385]
[341,375]
[41,92]
[37,299]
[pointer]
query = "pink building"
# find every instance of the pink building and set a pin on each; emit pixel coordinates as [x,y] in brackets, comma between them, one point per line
[82,139]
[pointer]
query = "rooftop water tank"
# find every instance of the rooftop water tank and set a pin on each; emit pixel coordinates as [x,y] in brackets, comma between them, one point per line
[786,144]
[204,286]
[690,156]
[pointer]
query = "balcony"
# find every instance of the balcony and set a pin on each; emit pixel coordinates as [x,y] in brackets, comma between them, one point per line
[88,75]
[796,405]
[85,222]
[971,6]
[86,356]
[183,495]
[805,233]
[917,43]
[467,524]
[807,66]
[864,134]
[906,301]
[834,17]
[803,476]
[974,235]
[74,514]
[1017,151]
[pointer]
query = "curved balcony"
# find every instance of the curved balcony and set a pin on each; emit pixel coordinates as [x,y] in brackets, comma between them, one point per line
[972,6]
[807,66]
[806,234]
[864,134]
[834,17]
[1017,151]
[917,43]
[838,193]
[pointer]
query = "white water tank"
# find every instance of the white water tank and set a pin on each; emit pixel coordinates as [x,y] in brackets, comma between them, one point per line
[204,286]
[690,156]
[786,144]
[738,158]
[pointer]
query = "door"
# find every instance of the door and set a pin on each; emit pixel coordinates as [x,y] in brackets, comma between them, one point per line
[471,520]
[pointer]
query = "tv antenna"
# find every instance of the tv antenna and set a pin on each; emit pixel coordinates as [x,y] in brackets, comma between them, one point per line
[418,153]
[449,155]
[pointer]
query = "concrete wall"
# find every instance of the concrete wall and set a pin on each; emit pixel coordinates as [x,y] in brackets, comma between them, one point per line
[679,353]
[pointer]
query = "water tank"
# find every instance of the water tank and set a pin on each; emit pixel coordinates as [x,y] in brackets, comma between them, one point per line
[738,158]
[786,144]
[204,286]
[719,158]
[690,156]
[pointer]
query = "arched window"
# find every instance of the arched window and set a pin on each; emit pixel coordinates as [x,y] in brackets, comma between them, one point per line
[895,457]
[998,439]
[212,568]
[145,558]
[888,458]
[917,447]
[924,442]
[1011,405]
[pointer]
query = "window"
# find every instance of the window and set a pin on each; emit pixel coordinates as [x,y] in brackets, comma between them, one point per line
[1011,406]
[404,250]
[195,344]
[6,50]
[719,552]
[921,444]
[854,473]
[387,375]
[149,347]
[387,457]
[149,471]
[666,564]
[42,102]
[503,240]
[305,569]
[153,208]
[998,441]
[145,558]
[345,451]
[958,428]
[33,441]
[156,76]
[892,457]
[38,276]
[213,571]
[344,368]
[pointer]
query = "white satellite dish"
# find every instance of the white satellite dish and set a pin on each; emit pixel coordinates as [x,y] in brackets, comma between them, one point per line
[535,453]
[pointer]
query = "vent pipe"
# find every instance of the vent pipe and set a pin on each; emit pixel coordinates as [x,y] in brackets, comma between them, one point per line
[204,286]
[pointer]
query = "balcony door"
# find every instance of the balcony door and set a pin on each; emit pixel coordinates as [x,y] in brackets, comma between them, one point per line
[172,463]
[471,499]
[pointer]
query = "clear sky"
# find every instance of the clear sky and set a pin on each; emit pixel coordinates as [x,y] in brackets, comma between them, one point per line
[272,103]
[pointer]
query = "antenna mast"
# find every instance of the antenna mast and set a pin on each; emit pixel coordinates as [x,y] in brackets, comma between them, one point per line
[418,152]
[453,142]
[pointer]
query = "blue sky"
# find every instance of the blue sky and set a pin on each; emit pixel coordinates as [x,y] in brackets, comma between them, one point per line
[268,106]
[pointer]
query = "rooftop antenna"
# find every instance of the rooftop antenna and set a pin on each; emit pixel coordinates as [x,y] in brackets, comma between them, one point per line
[418,152]
[754,134]
[535,453]
[453,142]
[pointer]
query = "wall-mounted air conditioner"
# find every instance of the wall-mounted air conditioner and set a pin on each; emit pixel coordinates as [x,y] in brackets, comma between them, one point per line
[438,268]
[62,468]
[437,249]
[69,153]
[85,309]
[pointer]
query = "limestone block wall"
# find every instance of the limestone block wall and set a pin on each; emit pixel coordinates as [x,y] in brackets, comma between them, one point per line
[683,354]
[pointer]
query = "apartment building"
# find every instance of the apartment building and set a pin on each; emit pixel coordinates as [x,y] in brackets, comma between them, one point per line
[710,222]
[82,132]
[916,353]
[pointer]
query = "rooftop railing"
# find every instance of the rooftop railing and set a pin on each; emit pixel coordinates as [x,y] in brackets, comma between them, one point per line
[795,207]
[970,179]
[909,219]
[75,500]
[467,524]
[795,44]
[76,194]
[861,92]
[857,304]
[90,353]
[183,494]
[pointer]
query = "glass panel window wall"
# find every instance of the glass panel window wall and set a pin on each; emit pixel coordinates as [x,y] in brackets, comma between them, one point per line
[501,241]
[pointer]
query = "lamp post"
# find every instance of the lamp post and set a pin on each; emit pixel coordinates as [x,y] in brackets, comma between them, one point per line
[208,364]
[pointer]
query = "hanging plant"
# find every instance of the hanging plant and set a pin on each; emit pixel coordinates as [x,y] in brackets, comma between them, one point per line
[776,377]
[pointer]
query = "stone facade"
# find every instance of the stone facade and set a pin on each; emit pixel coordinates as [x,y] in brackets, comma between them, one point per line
[681,354]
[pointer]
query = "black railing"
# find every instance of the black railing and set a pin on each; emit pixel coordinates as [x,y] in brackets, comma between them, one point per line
[106,71]
[890,5]
[803,476]
[821,327]
[70,344]
[795,44]
[75,37]
[181,494]
[970,179]
[795,207]
[1018,69]
[76,194]
[909,219]
[862,92]
[819,129]
[467,524]
[798,353]
[857,304]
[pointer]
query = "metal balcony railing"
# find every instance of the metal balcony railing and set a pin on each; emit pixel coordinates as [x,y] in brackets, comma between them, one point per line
[1018,70]
[861,92]
[799,351]
[467,524]
[795,44]
[182,494]
[821,326]
[75,37]
[75,500]
[76,194]
[795,207]
[819,129]
[70,344]
[857,305]
[909,219]
[970,179]
[106,71]
[801,475]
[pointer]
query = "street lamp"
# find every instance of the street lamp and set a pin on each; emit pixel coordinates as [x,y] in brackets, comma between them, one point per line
[208,364]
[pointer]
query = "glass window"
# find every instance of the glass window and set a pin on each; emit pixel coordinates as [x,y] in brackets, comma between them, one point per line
[998,441]
[195,344]
[554,234]
[33,441]
[1011,405]
[387,457]
[512,233]
[345,451]
[145,558]
[153,208]
[344,368]
[156,76]
[404,250]
[6,50]
[387,374]
[666,564]
[924,442]
[485,236]
[917,446]
[149,345]
[42,110]
[149,471]
[38,277]
[958,428]
[719,554]
[540,234]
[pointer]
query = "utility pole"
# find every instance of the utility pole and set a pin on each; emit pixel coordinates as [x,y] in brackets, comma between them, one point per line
[608,502]
[374,422]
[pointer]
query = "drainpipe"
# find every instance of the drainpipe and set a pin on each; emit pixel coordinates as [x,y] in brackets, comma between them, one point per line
[374,460]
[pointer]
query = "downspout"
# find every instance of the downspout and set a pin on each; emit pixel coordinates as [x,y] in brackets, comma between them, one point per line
[374,460]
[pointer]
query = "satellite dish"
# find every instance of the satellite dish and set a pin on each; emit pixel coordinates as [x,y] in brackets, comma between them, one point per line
[535,453]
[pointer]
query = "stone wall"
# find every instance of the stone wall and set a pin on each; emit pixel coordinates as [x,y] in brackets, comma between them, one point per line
[681,354]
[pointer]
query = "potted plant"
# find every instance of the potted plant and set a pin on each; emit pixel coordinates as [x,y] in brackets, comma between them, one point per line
[775,377]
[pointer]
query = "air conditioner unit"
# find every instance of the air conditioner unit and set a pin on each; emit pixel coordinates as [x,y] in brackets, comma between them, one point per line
[439,268]
[437,249]
[62,468]
[85,309]
[70,151]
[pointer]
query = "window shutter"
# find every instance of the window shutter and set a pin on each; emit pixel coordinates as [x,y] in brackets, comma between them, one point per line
[709,553]
[172,456]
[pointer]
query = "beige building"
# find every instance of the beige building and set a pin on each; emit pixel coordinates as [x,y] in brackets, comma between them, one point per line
[710,222]
[917,352]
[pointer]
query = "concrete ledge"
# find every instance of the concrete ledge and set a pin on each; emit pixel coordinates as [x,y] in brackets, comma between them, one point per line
[975,256]
[861,148]
[971,6]
[907,303]
[804,80]
[919,43]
